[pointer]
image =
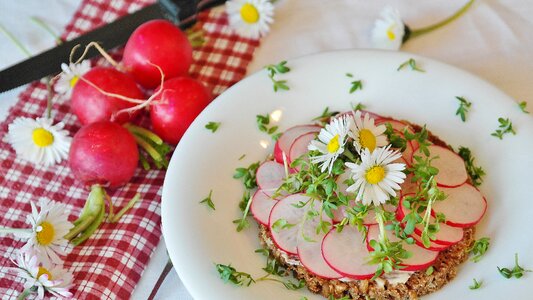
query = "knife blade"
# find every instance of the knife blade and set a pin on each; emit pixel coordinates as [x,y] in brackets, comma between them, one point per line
[181,12]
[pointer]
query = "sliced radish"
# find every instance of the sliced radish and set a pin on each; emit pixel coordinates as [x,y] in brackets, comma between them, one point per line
[287,238]
[377,118]
[446,236]
[408,187]
[420,259]
[346,253]
[432,245]
[452,171]
[270,176]
[261,206]
[287,138]
[407,154]
[310,251]
[299,146]
[464,206]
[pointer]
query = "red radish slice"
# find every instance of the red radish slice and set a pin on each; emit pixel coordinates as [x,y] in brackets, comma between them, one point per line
[420,259]
[408,187]
[397,126]
[287,238]
[432,245]
[310,252]
[299,147]
[287,138]
[270,176]
[407,154]
[377,118]
[446,236]
[346,253]
[452,171]
[261,207]
[464,206]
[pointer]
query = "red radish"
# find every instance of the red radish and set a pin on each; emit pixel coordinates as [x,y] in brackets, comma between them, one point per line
[452,170]
[420,259]
[285,141]
[161,43]
[299,146]
[464,206]
[408,187]
[346,253]
[261,206]
[447,235]
[287,238]
[270,176]
[310,252]
[176,107]
[396,125]
[90,105]
[377,118]
[369,219]
[103,153]
[407,154]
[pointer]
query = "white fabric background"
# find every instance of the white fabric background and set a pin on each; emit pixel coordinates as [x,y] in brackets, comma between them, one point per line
[493,40]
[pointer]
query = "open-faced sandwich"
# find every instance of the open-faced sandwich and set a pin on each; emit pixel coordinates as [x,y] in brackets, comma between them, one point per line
[367,207]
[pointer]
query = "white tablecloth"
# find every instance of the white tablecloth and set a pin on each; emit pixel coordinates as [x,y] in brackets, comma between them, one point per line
[493,40]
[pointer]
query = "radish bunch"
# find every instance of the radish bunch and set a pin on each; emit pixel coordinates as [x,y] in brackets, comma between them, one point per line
[105,151]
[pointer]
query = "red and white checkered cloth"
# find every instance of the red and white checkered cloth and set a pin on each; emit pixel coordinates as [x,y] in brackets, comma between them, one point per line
[111,262]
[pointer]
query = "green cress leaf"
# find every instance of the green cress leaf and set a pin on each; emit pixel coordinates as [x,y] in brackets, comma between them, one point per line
[516,272]
[476,173]
[430,270]
[213,126]
[263,251]
[356,84]
[262,122]
[247,175]
[476,285]
[242,156]
[411,62]
[331,297]
[358,106]
[281,224]
[506,126]
[294,286]
[208,201]
[230,274]
[325,116]
[464,106]
[273,70]
[479,248]
[523,106]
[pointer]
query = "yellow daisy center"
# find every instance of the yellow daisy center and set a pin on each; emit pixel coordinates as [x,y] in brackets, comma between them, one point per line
[73,81]
[249,13]
[42,137]
[375,174]
[367,139]
[333,144]
[43,271]
[390,33]
[47,233]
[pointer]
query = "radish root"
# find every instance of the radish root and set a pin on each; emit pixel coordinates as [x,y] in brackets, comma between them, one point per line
[127,99]
[97,46]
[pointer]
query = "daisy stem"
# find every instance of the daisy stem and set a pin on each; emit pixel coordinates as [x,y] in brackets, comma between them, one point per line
[49,97]
[381,224]
[25,293]
[15,41]
[15,231]
[421,31]
[349,155]
[47,28]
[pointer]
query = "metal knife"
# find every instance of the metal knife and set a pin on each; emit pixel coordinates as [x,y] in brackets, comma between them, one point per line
[183,13]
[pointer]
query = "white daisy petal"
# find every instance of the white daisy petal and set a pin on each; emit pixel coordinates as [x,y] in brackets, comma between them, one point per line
[330,143]
[365,134]
[69,77]
[389,30]
[38,140]
[250,18]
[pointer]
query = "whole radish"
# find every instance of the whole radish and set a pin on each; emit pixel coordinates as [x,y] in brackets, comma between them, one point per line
[180,101]
[161,43]
[103,153]
[91,105]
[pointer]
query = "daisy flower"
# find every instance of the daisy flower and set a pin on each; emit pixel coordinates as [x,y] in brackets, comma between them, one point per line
[42,277]
[376,177]
[250,18]
[366,134]
[330,144]
[38,141]
[389,30]
[70,76]
[49,226]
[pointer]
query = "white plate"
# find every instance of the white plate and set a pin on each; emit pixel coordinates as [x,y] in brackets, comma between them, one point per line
[197,237]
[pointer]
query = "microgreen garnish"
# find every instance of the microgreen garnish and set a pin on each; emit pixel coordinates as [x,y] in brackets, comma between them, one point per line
[523,106]
[430,270]
[325,116]
[247,175]
[230,274]
[421,137]
[476,173]
[464,106]
[517,271]
[281,224]
[358,106]
[241,157]
[331,297]
[479,248]
[412,64]
[208,201]
[262,124]
[244,205]
[506,126]
[279,68]
[213,126]
[396,140]
[356,84]
[476,285]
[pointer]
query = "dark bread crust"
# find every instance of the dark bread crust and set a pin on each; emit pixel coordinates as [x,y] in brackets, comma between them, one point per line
[419,284]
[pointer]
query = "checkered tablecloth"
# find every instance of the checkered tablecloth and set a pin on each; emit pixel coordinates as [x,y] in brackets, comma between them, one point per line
[109,265]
